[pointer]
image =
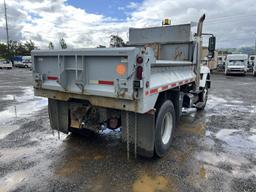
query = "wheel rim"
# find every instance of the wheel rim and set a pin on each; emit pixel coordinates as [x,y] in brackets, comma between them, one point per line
[167,126]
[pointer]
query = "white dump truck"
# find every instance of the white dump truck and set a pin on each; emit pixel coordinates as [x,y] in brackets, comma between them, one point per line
[236,64]
[141,88]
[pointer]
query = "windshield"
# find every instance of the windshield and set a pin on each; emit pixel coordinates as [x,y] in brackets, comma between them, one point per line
[236,62]
[27,61]
[252,58]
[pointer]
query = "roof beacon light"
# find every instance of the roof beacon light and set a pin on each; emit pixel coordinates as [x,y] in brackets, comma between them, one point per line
[166,22]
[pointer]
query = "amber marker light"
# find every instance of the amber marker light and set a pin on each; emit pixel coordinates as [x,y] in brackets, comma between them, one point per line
[120,69]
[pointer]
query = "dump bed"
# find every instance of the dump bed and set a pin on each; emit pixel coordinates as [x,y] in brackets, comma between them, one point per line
[128,78]
[86,71]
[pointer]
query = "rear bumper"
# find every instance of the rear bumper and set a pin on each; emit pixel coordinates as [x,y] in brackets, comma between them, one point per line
[99,101]
[236,71]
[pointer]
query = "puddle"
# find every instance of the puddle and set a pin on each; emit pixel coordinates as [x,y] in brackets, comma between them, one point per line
[220,158]
[69,168]
[28,94]
[237,139]
[10,182]
[214,101]
[22,109]
[151,184]
[7,154]
[202,172]
[24,106]
[225,132]
[73,163]
[7,129]
[198,128]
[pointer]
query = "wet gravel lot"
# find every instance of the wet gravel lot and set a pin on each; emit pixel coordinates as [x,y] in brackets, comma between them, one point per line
[213,150]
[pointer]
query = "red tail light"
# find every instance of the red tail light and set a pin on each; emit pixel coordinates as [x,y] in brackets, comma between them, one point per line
[139,72]
[139,60]
[52,78]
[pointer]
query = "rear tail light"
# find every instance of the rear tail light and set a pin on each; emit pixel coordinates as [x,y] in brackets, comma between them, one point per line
[139,60]
[139,72]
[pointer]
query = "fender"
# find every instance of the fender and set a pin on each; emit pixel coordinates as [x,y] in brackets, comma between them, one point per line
[205,77]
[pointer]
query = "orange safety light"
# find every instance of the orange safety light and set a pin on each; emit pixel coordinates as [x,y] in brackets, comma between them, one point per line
[120,69]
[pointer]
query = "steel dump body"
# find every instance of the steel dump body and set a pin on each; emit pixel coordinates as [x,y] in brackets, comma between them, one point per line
[141,87]
[91,74]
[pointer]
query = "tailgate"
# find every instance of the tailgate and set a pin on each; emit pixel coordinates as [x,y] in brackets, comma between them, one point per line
[101,71]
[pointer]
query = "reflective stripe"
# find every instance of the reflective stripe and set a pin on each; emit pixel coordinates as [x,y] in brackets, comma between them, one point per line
[166,87]
[153,91]
[54,78]
[101,82]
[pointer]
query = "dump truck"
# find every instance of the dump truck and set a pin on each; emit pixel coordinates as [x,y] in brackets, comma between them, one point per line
[236,64]
[141,88]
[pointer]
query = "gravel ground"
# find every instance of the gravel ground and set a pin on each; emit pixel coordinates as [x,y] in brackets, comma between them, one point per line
[213,150]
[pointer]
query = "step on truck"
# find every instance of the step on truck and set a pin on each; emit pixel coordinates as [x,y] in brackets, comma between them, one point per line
[140,88]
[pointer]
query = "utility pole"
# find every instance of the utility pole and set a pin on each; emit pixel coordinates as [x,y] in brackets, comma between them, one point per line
[255,45]
[7,31]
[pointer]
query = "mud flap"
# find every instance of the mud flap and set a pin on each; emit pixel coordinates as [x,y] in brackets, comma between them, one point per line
[58,115]
[143,144]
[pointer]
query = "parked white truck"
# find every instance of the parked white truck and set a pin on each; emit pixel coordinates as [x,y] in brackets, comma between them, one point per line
[236,64]
[4,64]
[141,88]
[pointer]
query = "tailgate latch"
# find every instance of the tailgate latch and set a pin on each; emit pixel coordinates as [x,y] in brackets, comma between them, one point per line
[38,79]
[122,86]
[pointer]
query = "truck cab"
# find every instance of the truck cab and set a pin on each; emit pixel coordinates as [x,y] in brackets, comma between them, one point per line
[236,64]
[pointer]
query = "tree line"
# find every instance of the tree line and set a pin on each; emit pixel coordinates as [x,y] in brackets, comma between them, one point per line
[17,48]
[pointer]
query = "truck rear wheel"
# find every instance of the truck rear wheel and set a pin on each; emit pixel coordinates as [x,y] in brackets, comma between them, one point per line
[165,124]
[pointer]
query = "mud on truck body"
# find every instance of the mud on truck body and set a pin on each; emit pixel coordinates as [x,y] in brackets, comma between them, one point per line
[141,88]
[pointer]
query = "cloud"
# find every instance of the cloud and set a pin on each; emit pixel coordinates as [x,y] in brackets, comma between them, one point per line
[231,21]
[48,20]
[132,5]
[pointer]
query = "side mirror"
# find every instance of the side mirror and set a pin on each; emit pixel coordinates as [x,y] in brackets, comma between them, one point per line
[211,46]
[212,43]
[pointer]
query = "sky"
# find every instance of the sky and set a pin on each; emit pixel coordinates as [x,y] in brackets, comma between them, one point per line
[90,23]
